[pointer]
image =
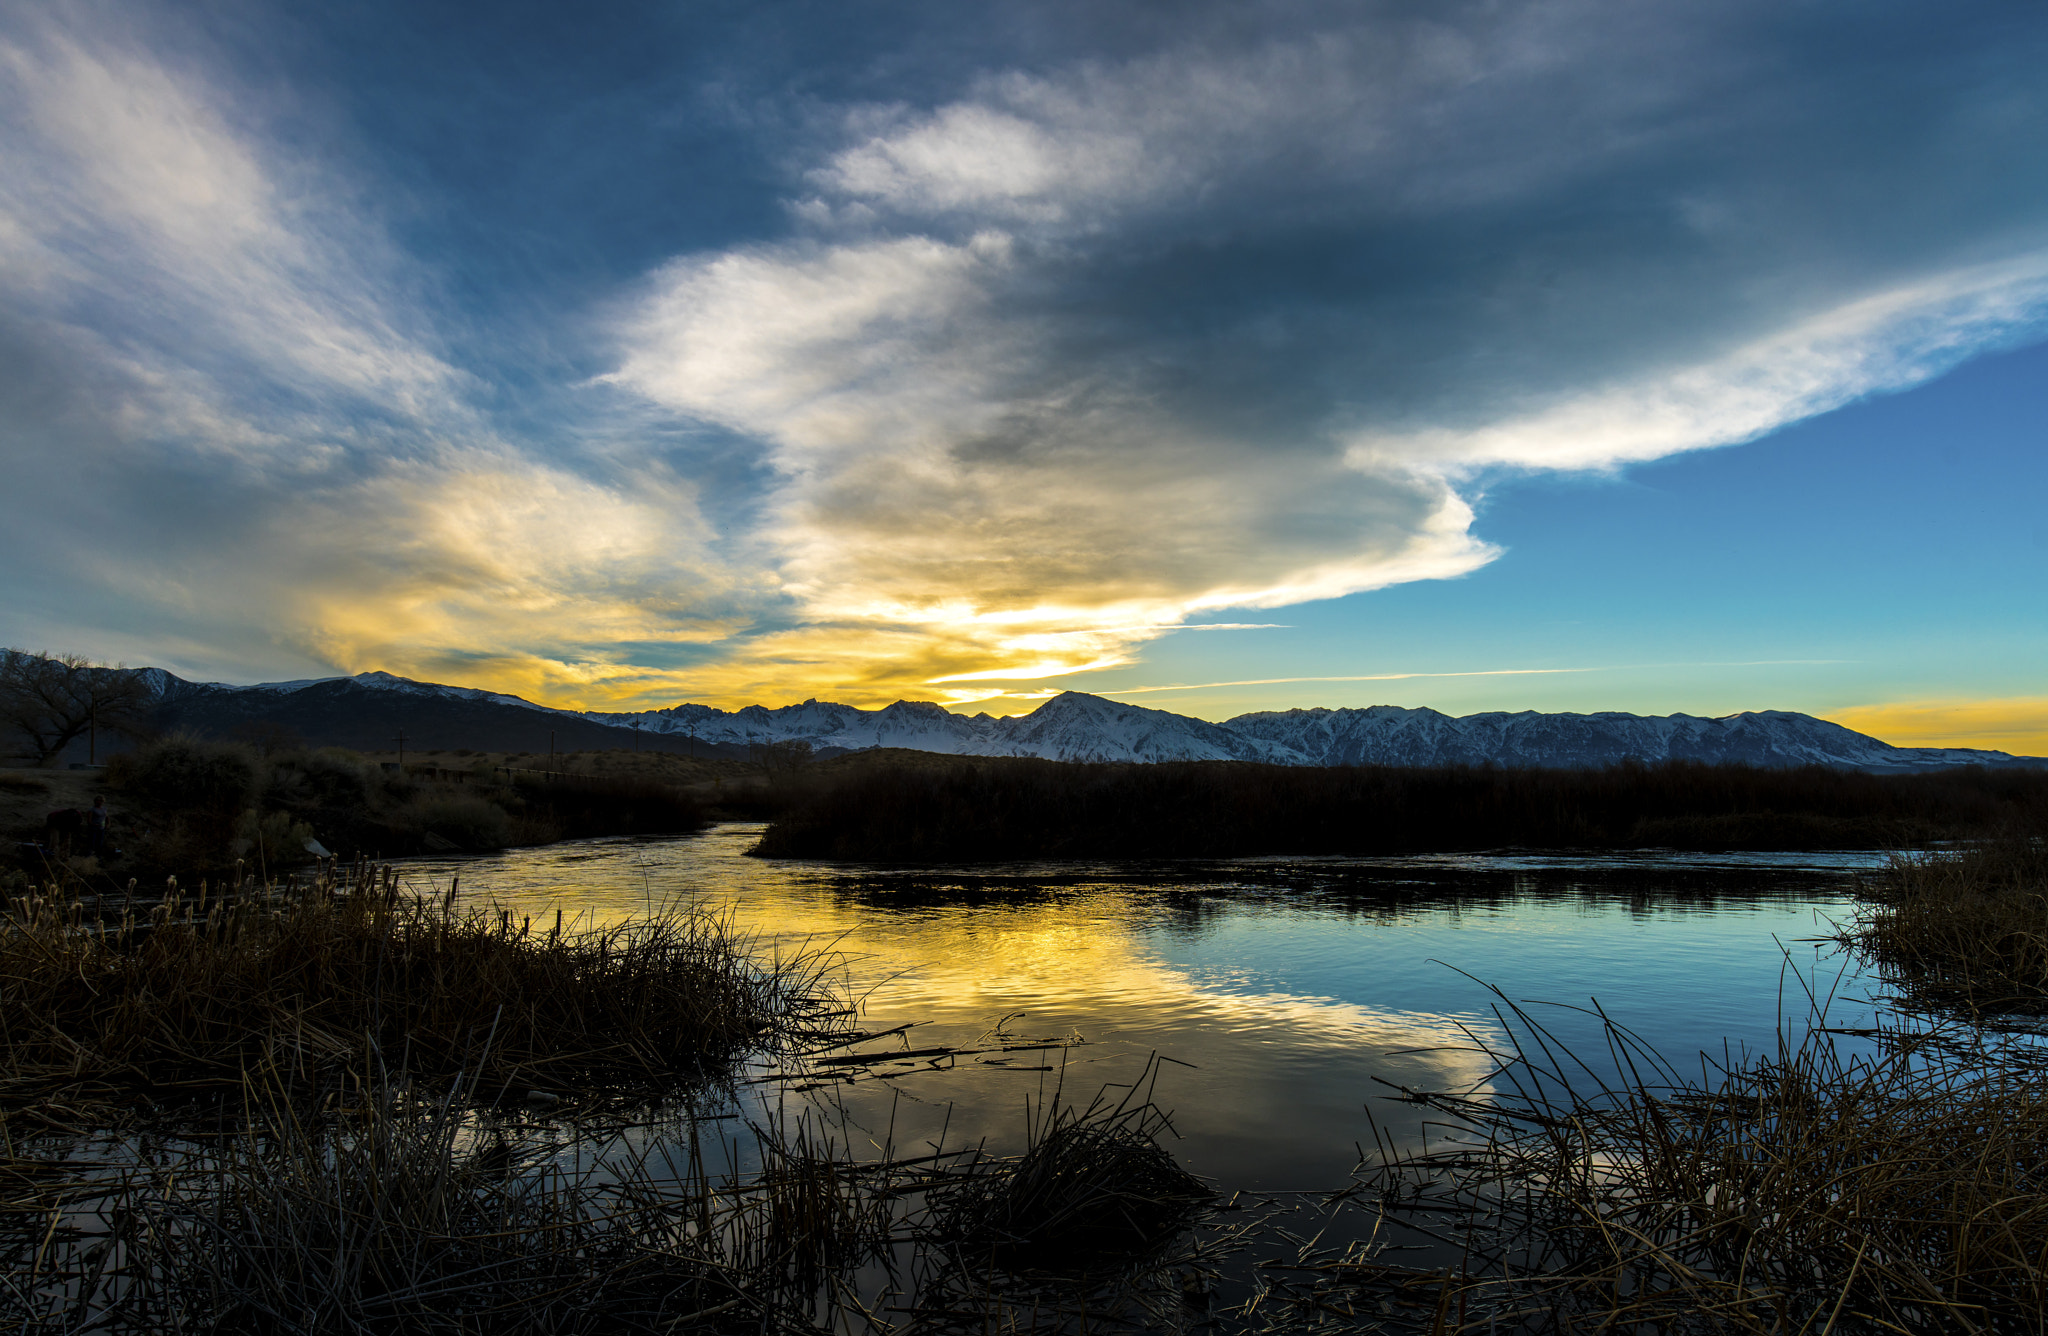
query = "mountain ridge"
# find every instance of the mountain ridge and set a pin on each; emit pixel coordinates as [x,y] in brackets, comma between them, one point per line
[367,710]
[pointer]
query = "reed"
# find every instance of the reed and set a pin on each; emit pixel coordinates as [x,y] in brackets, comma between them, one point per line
[1901,1187]
[1965,928]
[164,1004]
[1092,1190]
[407,1213]
[423,1216]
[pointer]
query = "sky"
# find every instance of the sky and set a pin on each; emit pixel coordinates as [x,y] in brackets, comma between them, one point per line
[1592,354]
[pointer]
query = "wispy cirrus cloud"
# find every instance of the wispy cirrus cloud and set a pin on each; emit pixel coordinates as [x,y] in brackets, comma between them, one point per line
[250,443]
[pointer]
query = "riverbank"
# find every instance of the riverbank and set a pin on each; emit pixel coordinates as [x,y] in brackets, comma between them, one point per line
[1964,928]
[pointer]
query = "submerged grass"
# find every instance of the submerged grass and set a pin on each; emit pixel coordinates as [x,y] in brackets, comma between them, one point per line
[432,1215]
[159,1005]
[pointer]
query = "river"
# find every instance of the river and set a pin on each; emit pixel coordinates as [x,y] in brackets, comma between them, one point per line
[1287,994]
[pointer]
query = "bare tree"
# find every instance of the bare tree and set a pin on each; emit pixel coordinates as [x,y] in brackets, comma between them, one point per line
[50,700]
[781,758]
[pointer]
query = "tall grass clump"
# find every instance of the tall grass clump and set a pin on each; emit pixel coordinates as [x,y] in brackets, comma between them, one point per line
[1093,1190]
[404,1214]
[428,1213]
[1901,1187]
[1967,927]
[176,1000]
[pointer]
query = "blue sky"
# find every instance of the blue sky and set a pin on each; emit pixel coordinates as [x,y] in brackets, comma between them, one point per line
[1577,355]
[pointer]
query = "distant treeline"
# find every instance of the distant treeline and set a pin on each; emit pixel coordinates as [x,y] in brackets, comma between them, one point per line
[194,807]
[1004,809]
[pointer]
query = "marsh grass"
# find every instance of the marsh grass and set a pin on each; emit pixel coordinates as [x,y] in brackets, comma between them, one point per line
[410,1213]
[415,1215]
[1889,1181]
[1092,1190]
[1963,928]
[151,1006]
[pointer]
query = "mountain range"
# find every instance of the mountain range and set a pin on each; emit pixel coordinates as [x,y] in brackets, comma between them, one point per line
[370,711]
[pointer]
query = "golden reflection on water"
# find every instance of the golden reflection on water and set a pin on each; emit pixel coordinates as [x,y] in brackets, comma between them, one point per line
[1273,1086]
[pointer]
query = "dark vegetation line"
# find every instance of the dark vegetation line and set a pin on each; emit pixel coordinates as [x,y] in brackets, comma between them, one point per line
[194,808]
[1009,809]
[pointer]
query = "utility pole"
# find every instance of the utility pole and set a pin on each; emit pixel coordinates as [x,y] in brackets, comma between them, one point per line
[92,736]
[636,734]
[551,751]
[401,749]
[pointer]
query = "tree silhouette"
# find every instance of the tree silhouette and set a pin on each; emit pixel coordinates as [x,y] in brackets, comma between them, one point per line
[50,700]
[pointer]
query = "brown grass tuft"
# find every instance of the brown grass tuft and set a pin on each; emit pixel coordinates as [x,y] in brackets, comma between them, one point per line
[175,1001]
[1967,928]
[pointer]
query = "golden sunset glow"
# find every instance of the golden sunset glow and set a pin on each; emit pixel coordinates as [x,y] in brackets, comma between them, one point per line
[2016,724]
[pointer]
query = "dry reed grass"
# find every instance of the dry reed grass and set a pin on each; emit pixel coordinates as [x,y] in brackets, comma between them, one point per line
[420,1216]
[431,1215]
[1901,1188]
[1965,928]
[1093,1189]
[167,1003]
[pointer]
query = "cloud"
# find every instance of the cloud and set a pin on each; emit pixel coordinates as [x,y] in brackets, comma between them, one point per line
[1005,377]
[239,437]
[1091,349]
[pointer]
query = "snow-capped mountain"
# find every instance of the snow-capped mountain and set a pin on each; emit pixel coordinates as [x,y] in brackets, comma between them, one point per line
[1069,727]
[368,709]
[1389,735]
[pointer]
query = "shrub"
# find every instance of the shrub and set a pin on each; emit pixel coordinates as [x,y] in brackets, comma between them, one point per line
[462,819]
[333,778]
[185,774]
[277,840]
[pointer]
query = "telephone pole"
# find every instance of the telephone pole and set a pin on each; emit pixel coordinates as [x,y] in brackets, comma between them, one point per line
[401,749]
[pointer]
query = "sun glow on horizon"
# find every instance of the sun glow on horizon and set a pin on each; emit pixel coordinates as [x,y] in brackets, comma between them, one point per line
[2015,724]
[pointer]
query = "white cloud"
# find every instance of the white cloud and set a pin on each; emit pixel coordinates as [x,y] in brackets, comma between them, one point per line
[1090,350]
[124,183]
[1886,341]
[247,445]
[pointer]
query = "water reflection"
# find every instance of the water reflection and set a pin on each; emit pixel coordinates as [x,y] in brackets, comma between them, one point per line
[1291,990]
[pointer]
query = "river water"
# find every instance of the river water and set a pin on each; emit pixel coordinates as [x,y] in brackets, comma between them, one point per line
[1288,996]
